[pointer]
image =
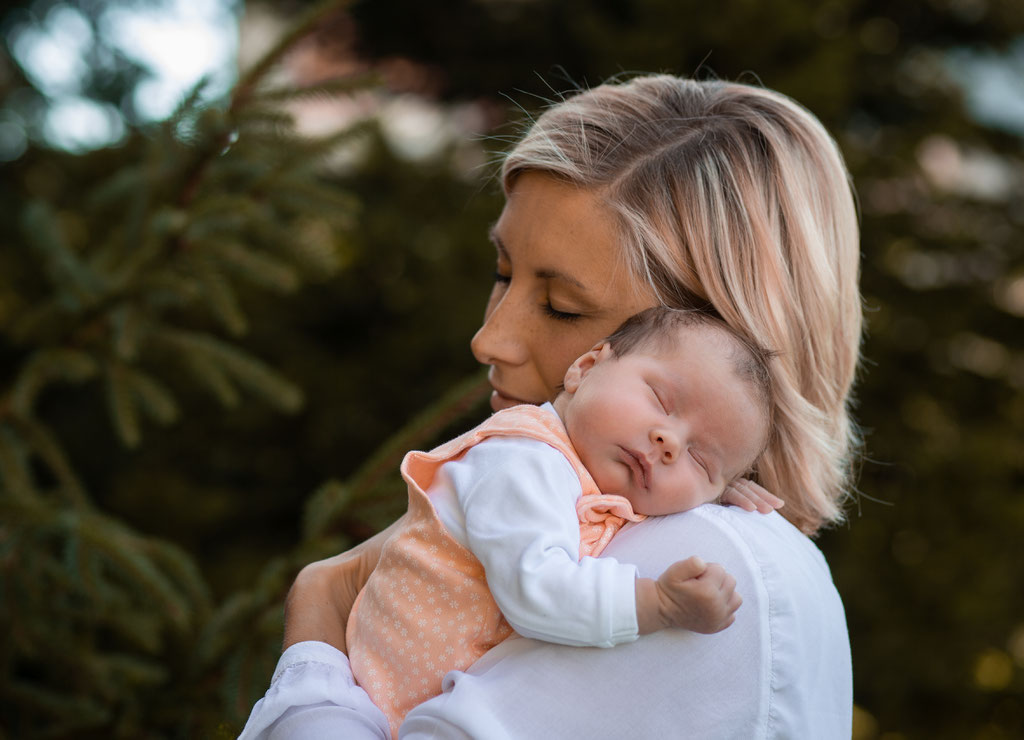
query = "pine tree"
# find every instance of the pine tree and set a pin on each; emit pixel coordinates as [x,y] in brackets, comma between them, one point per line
[127,285]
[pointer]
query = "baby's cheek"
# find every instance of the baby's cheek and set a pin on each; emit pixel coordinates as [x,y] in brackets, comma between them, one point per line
[604,475]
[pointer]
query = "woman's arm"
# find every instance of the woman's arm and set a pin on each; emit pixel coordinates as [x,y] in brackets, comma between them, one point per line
[322,596]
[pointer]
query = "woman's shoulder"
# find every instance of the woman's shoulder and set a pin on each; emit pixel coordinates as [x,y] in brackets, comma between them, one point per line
[780,572]
[725,534]
[781,670]
[792,615]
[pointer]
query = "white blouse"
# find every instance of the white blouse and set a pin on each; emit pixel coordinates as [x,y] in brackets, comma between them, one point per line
[782,670]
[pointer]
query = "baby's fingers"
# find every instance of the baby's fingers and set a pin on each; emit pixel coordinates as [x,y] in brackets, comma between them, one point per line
[735,602]
[718,577]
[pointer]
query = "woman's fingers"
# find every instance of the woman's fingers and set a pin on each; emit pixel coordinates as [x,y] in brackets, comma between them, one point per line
[751,496]
[322,596]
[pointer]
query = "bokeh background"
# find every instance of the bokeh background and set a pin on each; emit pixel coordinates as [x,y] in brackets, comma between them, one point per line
[222,321]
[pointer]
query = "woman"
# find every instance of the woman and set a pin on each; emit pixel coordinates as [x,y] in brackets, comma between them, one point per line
[657,191]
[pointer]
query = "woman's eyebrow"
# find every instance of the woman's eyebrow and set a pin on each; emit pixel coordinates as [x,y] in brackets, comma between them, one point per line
[492,236]
[556,275]
[542,273]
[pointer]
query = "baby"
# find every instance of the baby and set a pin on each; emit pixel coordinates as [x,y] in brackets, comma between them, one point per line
[666,414]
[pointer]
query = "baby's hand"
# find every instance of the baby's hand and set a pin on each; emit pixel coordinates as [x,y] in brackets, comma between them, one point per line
[749,496]
[697,596]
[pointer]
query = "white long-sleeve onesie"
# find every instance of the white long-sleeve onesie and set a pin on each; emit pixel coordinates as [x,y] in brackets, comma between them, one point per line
[511,501]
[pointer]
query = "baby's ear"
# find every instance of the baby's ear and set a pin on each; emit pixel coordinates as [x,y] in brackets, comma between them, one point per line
[583,365]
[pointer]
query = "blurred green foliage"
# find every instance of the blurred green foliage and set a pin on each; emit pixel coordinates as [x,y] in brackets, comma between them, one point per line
[929,563]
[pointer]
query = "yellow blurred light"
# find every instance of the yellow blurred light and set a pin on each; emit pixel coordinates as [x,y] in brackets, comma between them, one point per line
[978,354]
[1016,645]
[865,726]
[1010,295]
[993,670]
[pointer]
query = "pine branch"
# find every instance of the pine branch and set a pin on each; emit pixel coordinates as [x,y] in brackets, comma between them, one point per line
[44,445]
[423,428]
[77,284]
[314,17]
[327,502]
[235,365]
[132,266]
[257,268]
[325,89]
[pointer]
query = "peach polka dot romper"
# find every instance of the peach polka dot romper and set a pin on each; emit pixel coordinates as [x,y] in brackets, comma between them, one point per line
[426,609]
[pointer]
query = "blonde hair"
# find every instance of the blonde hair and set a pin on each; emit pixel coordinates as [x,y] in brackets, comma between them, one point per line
[734,199]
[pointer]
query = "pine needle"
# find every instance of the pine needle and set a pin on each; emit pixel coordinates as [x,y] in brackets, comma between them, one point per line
[325,89]
[309,21]
[420,430]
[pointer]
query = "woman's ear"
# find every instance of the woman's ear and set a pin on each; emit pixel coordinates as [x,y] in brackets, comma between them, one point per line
[584,364]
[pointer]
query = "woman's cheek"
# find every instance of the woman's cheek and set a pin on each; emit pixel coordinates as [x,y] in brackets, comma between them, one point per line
[493,299]
[557,366]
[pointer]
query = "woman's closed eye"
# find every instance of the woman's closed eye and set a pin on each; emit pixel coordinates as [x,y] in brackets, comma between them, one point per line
[500,277]
[554,313]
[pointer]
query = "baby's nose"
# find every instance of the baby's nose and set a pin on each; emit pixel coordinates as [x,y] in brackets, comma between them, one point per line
[666,443]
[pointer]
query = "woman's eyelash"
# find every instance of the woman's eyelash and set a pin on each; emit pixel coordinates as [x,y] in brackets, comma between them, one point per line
[554,313]
[499,278]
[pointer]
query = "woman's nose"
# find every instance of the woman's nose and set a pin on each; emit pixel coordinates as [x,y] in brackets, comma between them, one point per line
[498,341]
[666,443]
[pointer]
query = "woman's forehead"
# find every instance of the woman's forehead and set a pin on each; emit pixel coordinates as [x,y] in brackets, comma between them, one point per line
[558,230]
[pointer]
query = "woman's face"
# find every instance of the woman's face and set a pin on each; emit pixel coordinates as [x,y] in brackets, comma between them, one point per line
[560,287]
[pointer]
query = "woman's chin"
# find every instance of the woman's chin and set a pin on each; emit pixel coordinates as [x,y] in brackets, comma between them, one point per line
[499,401]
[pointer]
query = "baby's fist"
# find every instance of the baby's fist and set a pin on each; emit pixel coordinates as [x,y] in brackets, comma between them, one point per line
[698,596]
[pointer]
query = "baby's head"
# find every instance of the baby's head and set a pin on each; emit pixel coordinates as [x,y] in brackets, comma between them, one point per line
[669,410]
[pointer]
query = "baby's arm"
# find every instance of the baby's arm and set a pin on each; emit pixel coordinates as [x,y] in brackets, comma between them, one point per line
[690,594]
[517,512]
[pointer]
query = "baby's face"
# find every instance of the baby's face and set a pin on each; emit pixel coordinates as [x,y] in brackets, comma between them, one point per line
[668,428]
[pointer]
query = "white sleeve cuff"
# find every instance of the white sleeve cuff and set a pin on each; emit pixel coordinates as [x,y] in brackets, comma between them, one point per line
[302,653]
[625,627]
[313,691]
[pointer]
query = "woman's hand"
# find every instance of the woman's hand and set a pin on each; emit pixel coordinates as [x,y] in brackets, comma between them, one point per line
[749,496]
[322,596]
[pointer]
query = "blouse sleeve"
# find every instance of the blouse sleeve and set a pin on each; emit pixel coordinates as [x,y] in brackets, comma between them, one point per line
[313,696]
